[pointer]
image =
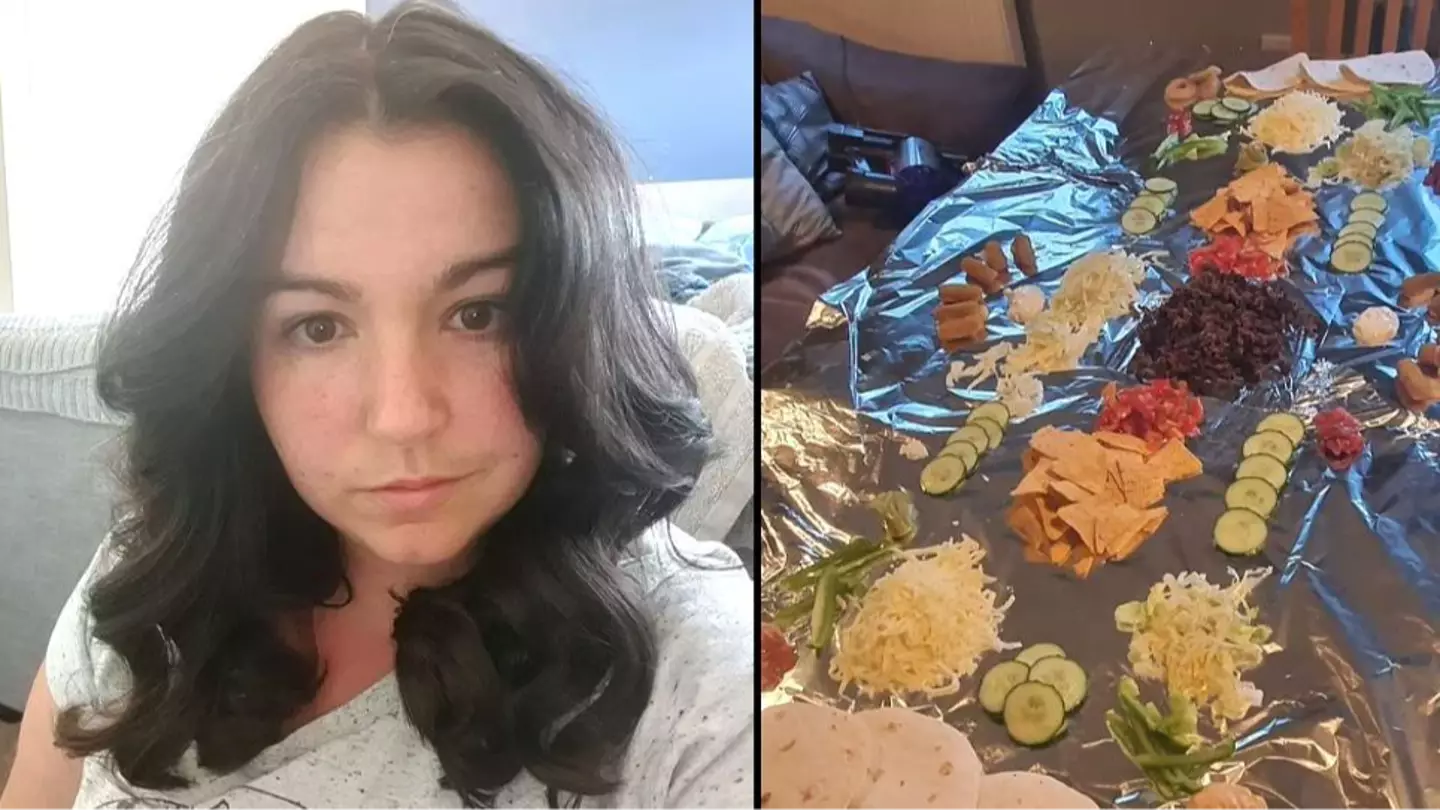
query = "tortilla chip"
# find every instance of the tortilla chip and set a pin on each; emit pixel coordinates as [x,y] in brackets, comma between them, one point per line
[1090,499]
[1024,519]
[1261,182]
[1036,481]
[1274,244]
[1059,552]
[1174,462]
[1086,468]
[1236,221]
[1288,211]
[1120,523]
[1128,479]
[1070,491]
[1260,213]
[1085,520]
[1030,458]
[1122,441]
[1050,522]
[1154,517]
[1055,443]
[1208,215]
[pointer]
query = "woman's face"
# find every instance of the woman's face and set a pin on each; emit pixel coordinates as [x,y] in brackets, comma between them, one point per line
[381,366]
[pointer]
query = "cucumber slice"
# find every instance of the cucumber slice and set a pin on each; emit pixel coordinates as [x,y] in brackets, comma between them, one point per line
[998,682]
[1351,257]
[1066,676]
[994,411]
[1221,113]
[1271,443]
[1204,108]
[1369,201]
[1154,203]
[993,432]
[1037,652]
[973,434]
[1370,215]
[1253,494]
[1241,532]
[1287,423]
[1034,713]
[1138,221]
[1354,239]
[942,475]
[1162,186]
[1234,104]
[1265,468]
[1365,230]
[964,451]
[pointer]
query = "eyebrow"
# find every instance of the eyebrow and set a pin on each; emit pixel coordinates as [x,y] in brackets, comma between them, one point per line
[454,277]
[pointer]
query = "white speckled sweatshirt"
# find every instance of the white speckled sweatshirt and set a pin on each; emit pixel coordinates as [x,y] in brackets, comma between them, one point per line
[693,746]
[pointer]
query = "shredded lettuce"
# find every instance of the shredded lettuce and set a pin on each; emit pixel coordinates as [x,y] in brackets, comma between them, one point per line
[1198,639]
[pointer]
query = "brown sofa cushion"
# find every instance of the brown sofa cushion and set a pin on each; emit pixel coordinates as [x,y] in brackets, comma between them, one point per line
[967,108]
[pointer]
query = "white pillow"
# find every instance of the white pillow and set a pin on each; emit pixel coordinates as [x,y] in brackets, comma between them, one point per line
[727,396]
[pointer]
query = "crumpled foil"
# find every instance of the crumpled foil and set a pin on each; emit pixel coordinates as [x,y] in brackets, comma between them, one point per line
[1349,715]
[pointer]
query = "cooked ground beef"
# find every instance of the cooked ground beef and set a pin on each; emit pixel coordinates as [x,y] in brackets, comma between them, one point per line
[1221,333]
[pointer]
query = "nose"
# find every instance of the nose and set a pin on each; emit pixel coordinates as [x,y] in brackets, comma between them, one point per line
[406,401]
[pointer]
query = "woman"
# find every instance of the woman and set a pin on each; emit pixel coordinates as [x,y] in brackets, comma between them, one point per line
[404,431]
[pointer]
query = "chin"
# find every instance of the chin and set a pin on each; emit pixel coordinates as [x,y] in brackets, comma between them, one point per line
[417,543]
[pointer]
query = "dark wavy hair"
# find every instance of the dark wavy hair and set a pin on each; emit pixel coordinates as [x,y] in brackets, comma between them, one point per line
[541,657]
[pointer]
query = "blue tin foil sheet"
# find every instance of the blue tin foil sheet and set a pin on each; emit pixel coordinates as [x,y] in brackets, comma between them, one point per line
[1350,712]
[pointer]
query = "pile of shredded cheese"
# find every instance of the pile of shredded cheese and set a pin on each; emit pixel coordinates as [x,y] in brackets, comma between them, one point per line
[1198,638]
[1298,122]
[1021,393]
[923,626]
[1097,287]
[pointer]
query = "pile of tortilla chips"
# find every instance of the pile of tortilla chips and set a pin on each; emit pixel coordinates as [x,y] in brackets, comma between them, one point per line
[1267,207]
[1088,498]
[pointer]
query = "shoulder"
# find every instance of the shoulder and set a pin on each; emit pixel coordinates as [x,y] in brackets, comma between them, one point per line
[694,585]
[80,669]
[694,744]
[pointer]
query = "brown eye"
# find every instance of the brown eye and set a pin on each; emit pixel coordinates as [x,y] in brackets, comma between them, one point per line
[319,329]
[477,316]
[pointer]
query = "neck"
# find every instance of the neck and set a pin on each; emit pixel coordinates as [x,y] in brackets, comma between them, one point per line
[377,586]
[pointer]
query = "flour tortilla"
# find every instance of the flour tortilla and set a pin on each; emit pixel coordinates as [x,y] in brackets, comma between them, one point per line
[923,762]
[1327,76]
[1406,67]
[813,756]
[1277,78]
[1023,789]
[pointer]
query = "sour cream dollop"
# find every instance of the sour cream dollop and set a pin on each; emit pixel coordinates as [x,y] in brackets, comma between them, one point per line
[1376,326]
[1025,304]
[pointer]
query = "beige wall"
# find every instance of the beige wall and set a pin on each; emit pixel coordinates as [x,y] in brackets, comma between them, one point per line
[1069,31]
[958,30]
[7,298]
[1066,31]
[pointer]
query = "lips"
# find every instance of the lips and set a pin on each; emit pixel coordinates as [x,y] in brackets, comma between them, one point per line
[414,494]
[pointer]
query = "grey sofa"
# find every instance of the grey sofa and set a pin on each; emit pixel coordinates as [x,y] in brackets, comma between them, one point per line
[58,445]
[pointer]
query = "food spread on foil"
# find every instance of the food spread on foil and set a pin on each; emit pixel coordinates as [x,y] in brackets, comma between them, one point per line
[1166,539]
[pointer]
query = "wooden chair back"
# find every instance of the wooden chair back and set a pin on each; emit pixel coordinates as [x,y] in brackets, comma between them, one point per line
[1336,13]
